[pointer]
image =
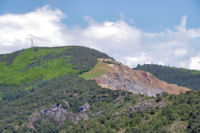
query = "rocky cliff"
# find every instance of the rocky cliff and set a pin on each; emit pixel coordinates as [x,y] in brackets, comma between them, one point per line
[117,76]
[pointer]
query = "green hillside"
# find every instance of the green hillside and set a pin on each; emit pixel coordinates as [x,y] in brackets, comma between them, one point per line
[179,76]
[41,91]
[33,64]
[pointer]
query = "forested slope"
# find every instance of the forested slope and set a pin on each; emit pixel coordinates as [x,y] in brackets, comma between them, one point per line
[179,76]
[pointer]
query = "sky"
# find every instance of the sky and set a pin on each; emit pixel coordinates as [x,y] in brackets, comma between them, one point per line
[131,31]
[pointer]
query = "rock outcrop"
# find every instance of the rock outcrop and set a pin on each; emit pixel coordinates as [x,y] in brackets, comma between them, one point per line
[121,77]
[57,113]
[32,118]
[83,108]
[144,105]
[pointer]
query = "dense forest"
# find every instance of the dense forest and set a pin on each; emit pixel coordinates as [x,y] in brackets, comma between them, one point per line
[179,76]
[41,91]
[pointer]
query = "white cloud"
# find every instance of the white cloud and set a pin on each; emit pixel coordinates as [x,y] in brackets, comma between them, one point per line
[119,39]
[180,52]
[43,24]
[141,59]
[118,31]
[182,26]
[195,62]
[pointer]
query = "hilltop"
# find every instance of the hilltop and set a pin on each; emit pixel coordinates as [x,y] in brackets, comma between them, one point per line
[34,64]
[54,90]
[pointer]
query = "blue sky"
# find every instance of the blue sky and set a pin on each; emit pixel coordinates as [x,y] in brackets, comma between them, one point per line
[150,15]
[132,31]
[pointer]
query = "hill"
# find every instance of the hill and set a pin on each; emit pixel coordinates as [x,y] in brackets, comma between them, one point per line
[47,90]
[34,64]
[116,76]
[172,75]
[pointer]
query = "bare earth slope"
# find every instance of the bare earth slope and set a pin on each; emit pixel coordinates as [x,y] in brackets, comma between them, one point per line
[116,76]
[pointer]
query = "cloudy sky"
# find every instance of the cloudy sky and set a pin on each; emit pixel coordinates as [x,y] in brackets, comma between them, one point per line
[132,31]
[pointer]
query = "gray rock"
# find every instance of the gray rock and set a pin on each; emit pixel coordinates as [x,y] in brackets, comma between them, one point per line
[32,118]
[66,103]
[56,112]
[85,107]
[144,105]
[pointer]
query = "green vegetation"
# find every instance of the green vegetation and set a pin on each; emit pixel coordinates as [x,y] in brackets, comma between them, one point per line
[179,76]
[34,64]
[28,88]
[150,120]
[110,111]
[99,69]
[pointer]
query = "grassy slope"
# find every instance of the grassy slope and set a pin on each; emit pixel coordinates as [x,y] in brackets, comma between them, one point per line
[99,69]
[33,64]
[26,67]
[179,76]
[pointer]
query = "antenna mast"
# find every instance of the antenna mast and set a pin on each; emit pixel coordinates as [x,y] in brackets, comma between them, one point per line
[31,42]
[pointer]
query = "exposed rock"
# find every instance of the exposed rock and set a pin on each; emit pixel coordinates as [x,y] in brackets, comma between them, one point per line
[57,113]
[121,77]
[140,107]
[83,108]
[75,95]
[34,117]
[178,126]
[98,113]
[66,103]
[81,116]
[145,105]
